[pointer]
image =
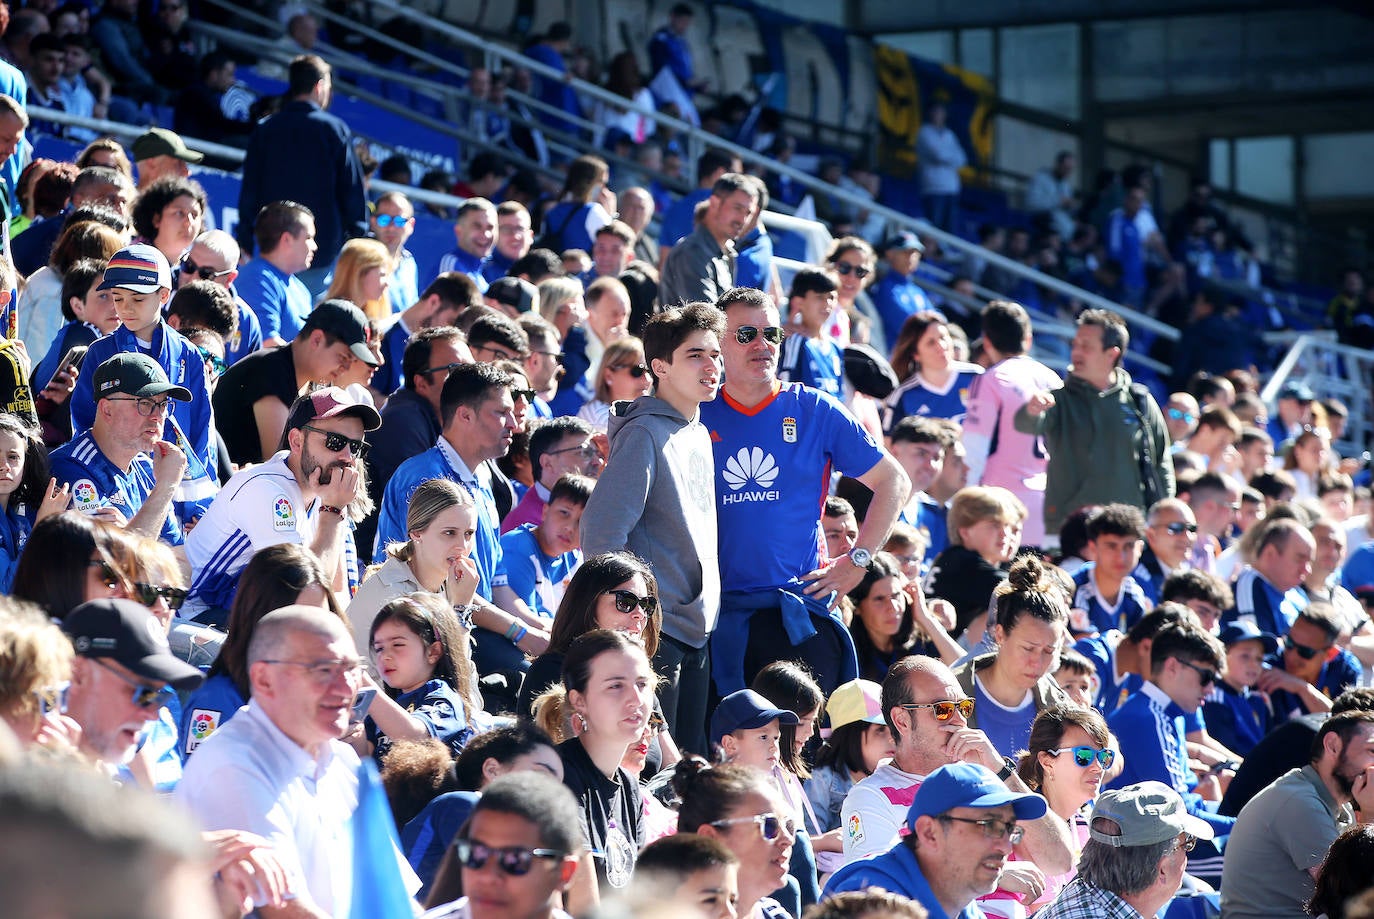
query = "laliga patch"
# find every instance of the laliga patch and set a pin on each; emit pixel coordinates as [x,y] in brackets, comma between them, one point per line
[85,496]
[283,514]
[856,828]
[204,722]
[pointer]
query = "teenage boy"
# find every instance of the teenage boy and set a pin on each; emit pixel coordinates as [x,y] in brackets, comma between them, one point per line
[140,284]
[1106,596]
[541,557]
[1235,716]
[918,444]
[810,357]
[663,507]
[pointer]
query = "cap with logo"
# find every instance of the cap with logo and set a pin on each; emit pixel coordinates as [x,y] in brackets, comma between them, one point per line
[906,240]
[345,322]
[857,700]
[162,142]
[332,402]
[1147,813]
[140,268]
[969,785]
[126,633]
[745,709]
[132,373]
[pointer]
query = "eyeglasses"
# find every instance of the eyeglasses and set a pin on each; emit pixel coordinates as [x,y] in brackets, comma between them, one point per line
[1208,677]
[512,860]
[1178,414]
[992,828]
[501,353]
[326,672]
[446,368]
[52,699]
[144,696]
[525,394]
[334,442]
[586,451]
[1305,652]
[1189,842]
[146,407]
[556,355]
[1178,528]
[635,370]
[204,272]
[769,824]
[945,708]
[148,594]
[391,220]
[216,363]
[1084,755]
[627,600]
[859,271]
[772,334]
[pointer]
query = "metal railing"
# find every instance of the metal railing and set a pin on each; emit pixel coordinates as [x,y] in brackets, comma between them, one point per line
[1330,370]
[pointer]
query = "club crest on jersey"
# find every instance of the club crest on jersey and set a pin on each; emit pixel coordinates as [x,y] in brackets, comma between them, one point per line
[789,430]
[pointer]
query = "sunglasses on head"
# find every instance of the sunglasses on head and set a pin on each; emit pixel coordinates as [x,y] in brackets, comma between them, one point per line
[945,708]
[204,272]
[1084,755]
[147,594]
[770,825]
[1306,652]
[334,442]
[635,370]
[390,220]
[143,696]
[859,271]
[772,334]
[627,600]
[1178,528]
[512,860]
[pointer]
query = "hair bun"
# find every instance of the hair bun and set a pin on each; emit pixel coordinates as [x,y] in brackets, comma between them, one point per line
[1026,573]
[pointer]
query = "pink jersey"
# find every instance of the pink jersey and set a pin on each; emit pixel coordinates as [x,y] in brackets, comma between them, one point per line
[1015,461]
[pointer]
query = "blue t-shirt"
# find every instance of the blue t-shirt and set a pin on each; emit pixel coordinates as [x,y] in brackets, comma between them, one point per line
[1261,603]
[1007,728]
[773,467]
[1111,692]
[464,262]
[158,743]
[14,534]
[896,297]
[96,482]
[1237,719]
[932,520]
[426,836]
[438,707]
[536,578]
[815,362]
[754,260]
[917,397]
[207,710]
[280,301]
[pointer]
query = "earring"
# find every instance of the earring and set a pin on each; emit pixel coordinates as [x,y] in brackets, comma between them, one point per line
[580,722]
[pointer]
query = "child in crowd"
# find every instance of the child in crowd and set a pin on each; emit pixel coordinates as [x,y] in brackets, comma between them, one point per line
[539,559]
[840,526]
[1235,716]
[809,356]
[698,872]
[1077,677]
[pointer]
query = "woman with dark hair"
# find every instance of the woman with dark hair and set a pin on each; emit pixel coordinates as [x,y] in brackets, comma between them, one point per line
[853,261]
[169,215]
[1347,872]
[892,620]
[934,384]
[584,206]
[27,494]
[71,558]
[283,575]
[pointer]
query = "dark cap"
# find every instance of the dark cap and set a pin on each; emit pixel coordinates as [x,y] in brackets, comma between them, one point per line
[903,240]
[516,293]
[131,373]
[743,710]
[332,402]
[1243,630]
[126,633]
[868,371]
[162,142]
[1299,391]
[345,322]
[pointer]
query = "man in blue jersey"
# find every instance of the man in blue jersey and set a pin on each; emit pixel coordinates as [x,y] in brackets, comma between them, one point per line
[475,234]
[775,446]
[809,356]
[1269,592]
[918,444]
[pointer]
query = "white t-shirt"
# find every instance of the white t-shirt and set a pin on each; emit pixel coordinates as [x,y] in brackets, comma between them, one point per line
[875,809]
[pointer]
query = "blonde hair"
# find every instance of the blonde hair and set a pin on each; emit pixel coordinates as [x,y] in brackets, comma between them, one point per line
[429,500]
[554,292]
[34,654]
[357,258]
[553,714]
[616,353]
[976,503]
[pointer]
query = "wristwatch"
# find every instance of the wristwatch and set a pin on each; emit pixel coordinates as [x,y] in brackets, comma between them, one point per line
[860,557]
[1008,767]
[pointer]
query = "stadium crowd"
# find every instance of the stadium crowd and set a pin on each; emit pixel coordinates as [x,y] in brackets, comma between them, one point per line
[647,582]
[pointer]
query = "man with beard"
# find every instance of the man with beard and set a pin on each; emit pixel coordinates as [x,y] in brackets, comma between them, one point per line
[1281,836]
[298,495]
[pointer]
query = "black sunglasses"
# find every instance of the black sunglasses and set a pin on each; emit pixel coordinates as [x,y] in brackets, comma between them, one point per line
[771,334]
[858,271]
[1306,652]
[1208,677]
[147,594]
[1177,528]
[526,394]
[204,272]
[334,442]
[635,370]
[627,600]
[512,860]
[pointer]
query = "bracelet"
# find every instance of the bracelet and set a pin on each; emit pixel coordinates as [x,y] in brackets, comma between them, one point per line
[331,509]
[464,614]
[521,632]
[512,629]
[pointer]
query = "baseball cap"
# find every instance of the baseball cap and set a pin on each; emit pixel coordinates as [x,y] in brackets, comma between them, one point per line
[162,142]
[743,710]
[969,785]
[132,373]
[1300,391]
[332,402]
[1148,813]
[345,322]
[903,240]
[857,700]
[517,293]
[140,268]
[868,371]
[1243,630]
[126,633]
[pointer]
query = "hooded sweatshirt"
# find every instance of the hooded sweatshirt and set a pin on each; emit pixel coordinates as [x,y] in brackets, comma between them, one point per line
[656,498]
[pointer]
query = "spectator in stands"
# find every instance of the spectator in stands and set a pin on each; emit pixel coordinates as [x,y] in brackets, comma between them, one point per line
[680,219]
[918,445]
[896,296]
[440,304]
[474,230]
[169,215]
[1268,591]
[200,111]
[558,447]
[44,76]
[393,221]
[585,205]
[941,156]
[1312,670]
[361,276]
[624,79]
[1170,534]
[808,356]
[214,256]
[1052,197]
[41,301]
[272,283]
[934,384]
[487,175]
[514,239]
[328,184]
[551,49]
[126,54]
[668,48]
[636,210]
[1131,234]
[1106,596]
[701,267]
[984,527]
[94,186]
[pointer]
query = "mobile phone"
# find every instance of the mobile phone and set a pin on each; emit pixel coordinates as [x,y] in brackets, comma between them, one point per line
[70,361]
[361,703]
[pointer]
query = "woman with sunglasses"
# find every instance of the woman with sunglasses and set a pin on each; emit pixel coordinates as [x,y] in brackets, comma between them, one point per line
[934,384]
[71,558]
[853,260]
[622,376]
[740,807]
[35,672]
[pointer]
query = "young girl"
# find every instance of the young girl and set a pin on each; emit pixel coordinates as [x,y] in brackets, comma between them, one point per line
[23,472]
[421,653]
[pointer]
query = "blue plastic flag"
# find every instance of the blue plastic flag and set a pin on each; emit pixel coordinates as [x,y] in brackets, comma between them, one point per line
[379,891]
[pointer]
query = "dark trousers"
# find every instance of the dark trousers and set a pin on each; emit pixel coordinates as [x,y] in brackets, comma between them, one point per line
[823,653]
[683,692]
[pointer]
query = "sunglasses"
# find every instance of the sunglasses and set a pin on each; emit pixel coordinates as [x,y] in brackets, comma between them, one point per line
[148,594]
[771,334]
[586,451]
[389,220]
[145,697]
[1189,842]
[992,828]
[556,355]
[1084,755]
[1306,652]
[526,394]
[512,860]
[1179,528]
[1208,677]
[1178,414]
[444,368]
[636,370]
[770,825]
[627,600]
[216,363]
[204,272]
[945,708]
[334,442]
[859,271]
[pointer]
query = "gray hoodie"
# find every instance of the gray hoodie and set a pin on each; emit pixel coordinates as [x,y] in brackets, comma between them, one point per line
[656,498]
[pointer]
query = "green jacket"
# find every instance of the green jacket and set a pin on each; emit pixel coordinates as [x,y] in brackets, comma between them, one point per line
[1094,439]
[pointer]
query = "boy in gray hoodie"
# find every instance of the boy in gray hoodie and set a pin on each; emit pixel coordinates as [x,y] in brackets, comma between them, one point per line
[656,498]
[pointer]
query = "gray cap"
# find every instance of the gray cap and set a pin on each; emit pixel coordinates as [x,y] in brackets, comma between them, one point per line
[1148,813]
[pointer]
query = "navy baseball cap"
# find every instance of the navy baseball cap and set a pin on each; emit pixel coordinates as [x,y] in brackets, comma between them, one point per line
[743,710]
[1243,630]
[140,268]
[969,785]
[906,240]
